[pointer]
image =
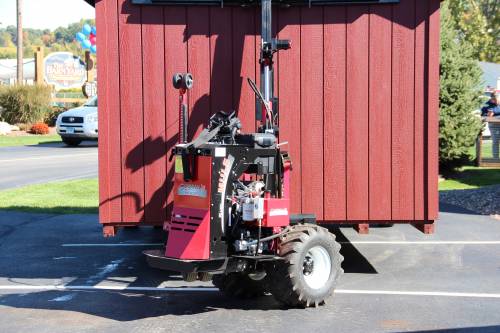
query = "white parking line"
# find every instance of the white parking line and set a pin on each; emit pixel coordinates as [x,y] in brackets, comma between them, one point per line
[417,293]
[211,289]
[111,244]
[104,288]
[353,242]
[425,242]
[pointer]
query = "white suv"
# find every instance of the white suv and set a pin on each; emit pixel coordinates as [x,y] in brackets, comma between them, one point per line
[78,124]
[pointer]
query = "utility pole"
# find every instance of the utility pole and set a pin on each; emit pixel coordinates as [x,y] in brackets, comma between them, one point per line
[20,42]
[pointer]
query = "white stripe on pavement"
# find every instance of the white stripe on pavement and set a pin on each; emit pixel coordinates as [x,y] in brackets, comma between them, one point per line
[104,288]
[425,242]
[111,245]
[417,293]
[211,289]
[353,242]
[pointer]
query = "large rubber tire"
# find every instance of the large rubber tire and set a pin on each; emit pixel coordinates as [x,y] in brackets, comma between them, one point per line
[311,267]
[239,285]
[71,141]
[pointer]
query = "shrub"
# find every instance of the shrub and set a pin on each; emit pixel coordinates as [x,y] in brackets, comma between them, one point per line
[459,97]
[39,128]
[51,117]
[25,104]
[75,105]
[23,127]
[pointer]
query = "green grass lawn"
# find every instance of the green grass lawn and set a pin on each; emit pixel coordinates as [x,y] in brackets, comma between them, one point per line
[26,140]
[68,197]
[81,196]
[486,151]
[471,177]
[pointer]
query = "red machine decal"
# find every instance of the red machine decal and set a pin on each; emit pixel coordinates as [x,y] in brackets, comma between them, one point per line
[276,212]
[196,192]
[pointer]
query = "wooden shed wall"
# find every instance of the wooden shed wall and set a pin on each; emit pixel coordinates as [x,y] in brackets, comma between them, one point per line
[358,102]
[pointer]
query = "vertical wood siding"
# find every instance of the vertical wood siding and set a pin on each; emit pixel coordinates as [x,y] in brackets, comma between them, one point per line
[432,89]
[155,159]
[380,93]
[311,109]
[334,98]
[421,11]
[403,67]
[110,152]
[357,130]
[358,102]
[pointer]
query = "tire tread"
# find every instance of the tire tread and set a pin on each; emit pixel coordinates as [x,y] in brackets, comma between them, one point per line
[283,283]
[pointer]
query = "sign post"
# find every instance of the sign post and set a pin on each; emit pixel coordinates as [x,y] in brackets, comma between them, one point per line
[39,66]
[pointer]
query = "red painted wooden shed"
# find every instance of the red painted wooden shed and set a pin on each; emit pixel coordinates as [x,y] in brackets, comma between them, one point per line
[358,103]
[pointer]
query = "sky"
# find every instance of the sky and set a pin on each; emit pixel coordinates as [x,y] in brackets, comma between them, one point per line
[45,14]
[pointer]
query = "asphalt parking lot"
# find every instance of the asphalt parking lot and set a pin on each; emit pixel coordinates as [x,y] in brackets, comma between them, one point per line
[46,162]
[57,274]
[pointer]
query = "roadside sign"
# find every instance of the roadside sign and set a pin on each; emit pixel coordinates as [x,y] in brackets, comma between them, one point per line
[89,89]
[64,70]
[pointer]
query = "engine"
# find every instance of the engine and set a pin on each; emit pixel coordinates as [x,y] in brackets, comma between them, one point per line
[247,212]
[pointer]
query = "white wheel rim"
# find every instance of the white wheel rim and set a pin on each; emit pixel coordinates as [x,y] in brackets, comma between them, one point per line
[317,277]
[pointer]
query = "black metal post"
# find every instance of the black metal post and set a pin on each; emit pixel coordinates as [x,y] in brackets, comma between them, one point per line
[266,62]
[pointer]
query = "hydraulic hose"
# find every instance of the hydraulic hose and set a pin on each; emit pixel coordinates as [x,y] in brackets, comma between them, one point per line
[265,239]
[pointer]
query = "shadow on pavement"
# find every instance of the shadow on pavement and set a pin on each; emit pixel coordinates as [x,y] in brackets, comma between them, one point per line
[46,259]
[59,144]
[132,305]
[354,261]
[46,143]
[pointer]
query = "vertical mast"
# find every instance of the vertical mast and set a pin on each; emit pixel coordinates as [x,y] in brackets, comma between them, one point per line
[269,46]
[266,52]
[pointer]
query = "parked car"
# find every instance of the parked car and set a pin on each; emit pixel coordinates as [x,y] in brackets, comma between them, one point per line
[78,124]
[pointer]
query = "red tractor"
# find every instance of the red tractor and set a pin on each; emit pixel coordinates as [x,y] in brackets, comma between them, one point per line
[231,218]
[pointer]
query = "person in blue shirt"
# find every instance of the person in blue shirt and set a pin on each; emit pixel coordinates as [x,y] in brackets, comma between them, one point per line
[492,109]
[491,104]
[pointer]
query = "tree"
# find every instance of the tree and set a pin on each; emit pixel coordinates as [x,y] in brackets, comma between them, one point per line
[478,23]
[459,97]
[5,39]
[12,31]
[62,39]
[491,10]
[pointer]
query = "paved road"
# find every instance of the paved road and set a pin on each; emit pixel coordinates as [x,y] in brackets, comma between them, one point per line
[57,274]
[42,163]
